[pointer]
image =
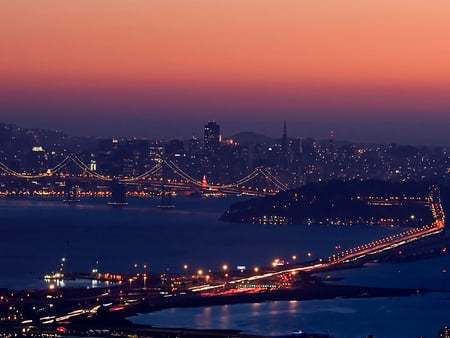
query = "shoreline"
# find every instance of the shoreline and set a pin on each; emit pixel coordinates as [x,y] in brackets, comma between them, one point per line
[315,292]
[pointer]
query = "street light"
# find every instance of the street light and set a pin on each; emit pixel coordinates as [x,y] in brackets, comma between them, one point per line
[145,281]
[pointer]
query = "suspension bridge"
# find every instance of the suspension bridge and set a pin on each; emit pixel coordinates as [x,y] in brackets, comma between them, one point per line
[152,177]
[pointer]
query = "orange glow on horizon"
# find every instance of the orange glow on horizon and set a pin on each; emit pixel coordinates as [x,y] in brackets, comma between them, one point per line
[202,40]
[230,51]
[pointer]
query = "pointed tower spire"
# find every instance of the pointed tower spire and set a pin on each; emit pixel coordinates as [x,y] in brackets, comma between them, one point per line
[284,138]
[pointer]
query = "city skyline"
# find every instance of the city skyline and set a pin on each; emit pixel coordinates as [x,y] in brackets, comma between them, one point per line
[245,168]
[216,159]
[372,72]
[367,132]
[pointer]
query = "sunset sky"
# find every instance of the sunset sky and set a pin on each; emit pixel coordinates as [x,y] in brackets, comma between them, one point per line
[325,64]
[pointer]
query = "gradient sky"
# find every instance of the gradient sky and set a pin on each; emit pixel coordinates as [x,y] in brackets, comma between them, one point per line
[245,63]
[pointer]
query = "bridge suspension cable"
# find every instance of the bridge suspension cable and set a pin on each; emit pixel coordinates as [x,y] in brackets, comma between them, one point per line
[47,173]
[181,173]
[80,164]
[189,178]
[149,172]
[255,173]
[267,174]
[60,165]
[170,164]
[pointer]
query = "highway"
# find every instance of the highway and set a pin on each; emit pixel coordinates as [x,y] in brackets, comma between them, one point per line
[357,253]
[62,306]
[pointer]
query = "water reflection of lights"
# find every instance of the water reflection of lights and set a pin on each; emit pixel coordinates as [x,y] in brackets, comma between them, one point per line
[54,283]
[293,305]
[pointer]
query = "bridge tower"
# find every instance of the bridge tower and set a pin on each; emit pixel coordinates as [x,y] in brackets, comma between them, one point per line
[204,183]
[118,194]
[72,193]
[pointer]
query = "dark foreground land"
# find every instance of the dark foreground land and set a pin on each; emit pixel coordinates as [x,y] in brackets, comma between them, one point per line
[73,310]
[104,311]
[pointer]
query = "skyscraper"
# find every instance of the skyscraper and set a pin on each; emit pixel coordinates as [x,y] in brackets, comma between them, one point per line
[212,136]
[284,148]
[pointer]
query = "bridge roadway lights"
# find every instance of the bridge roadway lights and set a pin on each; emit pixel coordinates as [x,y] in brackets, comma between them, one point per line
[336,260]
[86,169]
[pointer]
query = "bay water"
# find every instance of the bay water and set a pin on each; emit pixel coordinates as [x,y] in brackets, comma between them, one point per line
[37,232]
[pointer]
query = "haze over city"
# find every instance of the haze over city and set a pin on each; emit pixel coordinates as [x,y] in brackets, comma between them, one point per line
[371,71]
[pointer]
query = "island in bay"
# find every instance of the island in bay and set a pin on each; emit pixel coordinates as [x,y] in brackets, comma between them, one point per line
[370,202]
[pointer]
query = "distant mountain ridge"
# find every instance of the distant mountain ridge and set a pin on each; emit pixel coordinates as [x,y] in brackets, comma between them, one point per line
[248,137]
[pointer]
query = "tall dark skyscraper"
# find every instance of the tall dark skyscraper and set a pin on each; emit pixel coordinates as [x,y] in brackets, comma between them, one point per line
[212,136]
[285,147]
